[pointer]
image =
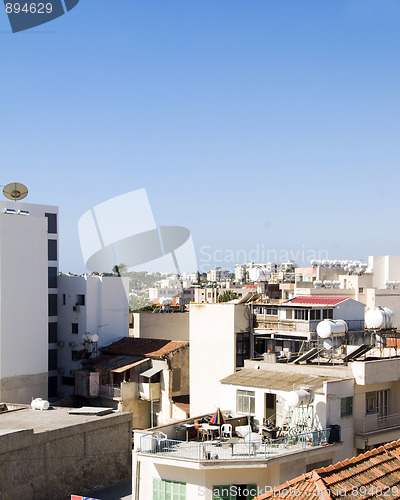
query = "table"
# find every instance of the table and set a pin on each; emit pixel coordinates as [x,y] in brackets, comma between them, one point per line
[208,430]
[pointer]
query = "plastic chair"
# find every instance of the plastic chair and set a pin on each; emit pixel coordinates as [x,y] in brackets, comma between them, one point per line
[226,430]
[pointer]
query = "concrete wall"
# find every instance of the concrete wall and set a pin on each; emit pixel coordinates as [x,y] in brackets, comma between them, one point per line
[53,464]
[169,326]
[213,329]
[23,307]
[385,268]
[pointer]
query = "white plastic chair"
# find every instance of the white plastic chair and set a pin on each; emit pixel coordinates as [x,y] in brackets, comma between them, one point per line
[226,430]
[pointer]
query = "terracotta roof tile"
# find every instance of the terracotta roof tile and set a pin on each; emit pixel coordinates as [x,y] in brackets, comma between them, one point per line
[376,470]
[150,348]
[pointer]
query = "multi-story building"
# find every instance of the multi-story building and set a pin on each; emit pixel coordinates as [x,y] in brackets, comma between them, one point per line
[93,311]
[217,274]
[28,314]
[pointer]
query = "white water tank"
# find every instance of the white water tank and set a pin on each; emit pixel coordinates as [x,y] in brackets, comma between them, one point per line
[166,301]
[379,318]
[327,283]
[299,398]
[39,404]
[329,327]
[317,284]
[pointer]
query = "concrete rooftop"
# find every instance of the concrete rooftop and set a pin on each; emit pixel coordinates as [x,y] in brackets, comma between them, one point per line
[42,421]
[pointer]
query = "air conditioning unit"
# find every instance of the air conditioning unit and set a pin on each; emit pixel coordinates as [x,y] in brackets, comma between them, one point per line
[60,343]
[76,308]
[73,344]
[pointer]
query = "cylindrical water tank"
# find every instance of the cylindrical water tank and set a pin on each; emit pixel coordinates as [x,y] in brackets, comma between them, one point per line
[379,318]
[329,327]
[317,284]
[94,337]
[39,404]
[327,283]
[299,397]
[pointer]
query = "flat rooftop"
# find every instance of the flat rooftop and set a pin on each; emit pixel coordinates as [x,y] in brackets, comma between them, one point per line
[46,420]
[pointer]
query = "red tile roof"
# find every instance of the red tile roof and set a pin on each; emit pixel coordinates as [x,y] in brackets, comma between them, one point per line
[150,348]
[311,300]
[373,474]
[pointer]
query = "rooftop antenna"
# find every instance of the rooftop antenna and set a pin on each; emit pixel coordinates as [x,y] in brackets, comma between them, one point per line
[15,191]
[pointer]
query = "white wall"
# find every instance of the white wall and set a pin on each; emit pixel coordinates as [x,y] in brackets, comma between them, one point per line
[23,306]
[212,329]
[106,313]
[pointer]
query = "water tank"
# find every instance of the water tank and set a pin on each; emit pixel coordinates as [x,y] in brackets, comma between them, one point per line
[299,398]
[379,318]
[329,327]
[39,404]
[317,284]
[166,301]
[335,284]
[327,283]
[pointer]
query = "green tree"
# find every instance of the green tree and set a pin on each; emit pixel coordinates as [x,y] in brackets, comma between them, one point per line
[227,296]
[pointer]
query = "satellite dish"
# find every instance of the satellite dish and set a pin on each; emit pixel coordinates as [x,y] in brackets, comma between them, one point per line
[15,191]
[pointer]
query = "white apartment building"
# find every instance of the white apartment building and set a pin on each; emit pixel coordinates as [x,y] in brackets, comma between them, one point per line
[28,297]
[88,305]
[218,274]
[173,286]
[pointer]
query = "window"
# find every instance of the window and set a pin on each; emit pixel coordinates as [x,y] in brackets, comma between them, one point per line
[52,277]
[346,406]
[301,314]
[289,313]
[80,300]
[74,327]
[68,381]
[315,314]
[246,401]
[51,223]
[242,348]
[75,356]
[377,402]
[52,359]
[327,313]
[235,491]
[370,402]
[52,249]
[361,290]
[63,299]
[52,304]
[168,490]
[52,333]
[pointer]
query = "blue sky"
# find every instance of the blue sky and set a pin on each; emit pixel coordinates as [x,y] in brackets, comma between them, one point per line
[254,123]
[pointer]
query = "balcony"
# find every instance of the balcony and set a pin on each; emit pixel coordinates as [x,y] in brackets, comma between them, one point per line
[149,391]
[271,323]
[233,449]
[109,391]
[373,424]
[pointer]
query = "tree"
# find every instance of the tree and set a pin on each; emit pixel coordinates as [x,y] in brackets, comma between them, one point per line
[227,296]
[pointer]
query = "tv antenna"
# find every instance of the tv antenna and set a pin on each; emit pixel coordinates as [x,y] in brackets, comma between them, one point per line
[15,191]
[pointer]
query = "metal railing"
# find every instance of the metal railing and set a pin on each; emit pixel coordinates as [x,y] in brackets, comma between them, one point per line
[234,449]
[374,423]
[109,391]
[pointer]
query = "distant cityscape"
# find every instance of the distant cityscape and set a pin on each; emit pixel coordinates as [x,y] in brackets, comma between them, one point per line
[213,385]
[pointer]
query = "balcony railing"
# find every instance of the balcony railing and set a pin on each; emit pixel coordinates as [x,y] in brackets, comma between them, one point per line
[109,391]
[374,423]
[234,449]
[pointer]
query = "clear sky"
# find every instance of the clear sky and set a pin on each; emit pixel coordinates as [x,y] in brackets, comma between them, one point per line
[269,124]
